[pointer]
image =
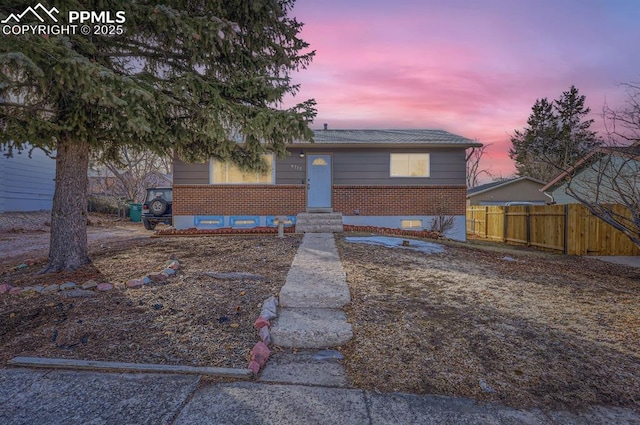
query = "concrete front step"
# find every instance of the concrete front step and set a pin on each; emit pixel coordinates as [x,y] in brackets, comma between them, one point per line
[319,223]
[312,228]
[328,216]
[311,328]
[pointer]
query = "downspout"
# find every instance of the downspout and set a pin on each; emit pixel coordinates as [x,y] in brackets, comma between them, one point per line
[553,201]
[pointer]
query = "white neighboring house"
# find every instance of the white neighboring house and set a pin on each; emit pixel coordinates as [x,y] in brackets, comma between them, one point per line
[607,175]
[26,183]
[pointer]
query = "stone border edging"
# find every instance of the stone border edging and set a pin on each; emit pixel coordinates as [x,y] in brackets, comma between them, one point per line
[90,288]
[260,352]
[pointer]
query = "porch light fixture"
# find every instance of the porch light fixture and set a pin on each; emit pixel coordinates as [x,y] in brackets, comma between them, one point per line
[301,155]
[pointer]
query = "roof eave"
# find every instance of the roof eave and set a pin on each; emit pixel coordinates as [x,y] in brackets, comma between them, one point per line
[384,145]
[506,183]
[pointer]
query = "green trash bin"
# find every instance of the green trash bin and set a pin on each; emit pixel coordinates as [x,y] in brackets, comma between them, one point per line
[135,212]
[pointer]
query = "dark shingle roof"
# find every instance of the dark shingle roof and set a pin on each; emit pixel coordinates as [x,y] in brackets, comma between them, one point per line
[430,137]
[487,186]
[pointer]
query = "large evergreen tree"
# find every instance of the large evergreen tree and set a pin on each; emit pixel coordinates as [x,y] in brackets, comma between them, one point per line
[557,135]
[190,77]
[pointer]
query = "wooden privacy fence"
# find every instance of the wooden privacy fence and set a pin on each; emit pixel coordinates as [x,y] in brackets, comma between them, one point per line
[570,229]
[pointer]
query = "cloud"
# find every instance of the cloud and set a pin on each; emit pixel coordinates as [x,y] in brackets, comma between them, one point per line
[472,68]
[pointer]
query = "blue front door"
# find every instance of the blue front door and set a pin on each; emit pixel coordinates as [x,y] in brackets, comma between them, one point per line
[319,181]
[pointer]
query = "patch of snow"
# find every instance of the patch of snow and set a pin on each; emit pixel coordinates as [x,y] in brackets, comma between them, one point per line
[389,242]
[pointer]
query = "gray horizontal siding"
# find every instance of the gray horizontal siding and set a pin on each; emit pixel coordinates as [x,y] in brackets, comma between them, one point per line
[353,167]
[194,173]
[291,170]
[26,184]
[350,167]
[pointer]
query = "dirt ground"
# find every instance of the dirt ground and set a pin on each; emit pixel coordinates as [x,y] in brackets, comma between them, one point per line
[193,319]
[27,234]
[513,327]
[525,329]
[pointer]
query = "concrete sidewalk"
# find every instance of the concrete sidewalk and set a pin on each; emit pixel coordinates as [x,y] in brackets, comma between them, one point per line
[66,397]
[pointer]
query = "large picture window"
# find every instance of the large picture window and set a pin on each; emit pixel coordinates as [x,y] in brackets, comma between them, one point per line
[409,165]
[228,173]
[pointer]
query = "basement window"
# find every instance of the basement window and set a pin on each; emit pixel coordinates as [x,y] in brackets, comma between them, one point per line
[210,222]
[409,165]
[411,224]
[244,221]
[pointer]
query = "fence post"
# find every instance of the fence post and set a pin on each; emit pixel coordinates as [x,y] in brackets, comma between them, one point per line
[486,222]
[506,219]
[566,230]
[528,224]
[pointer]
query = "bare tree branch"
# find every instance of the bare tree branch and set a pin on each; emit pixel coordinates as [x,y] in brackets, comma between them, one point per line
[474,172]
[133,173]
[608,181]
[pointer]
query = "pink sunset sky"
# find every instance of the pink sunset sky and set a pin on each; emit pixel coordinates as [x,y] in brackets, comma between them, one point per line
[473,68]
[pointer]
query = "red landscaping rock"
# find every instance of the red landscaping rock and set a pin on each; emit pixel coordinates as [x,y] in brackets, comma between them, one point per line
[260,323]
[223,231]
[254,366]
[134,283]
[104,287]
[260,353]
[4,288]
[389,231]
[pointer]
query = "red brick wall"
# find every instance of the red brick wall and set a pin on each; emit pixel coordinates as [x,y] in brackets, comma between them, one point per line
[400,200]
[291,199]
[238,199]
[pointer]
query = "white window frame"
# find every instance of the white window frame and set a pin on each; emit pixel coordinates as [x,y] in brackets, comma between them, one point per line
[214,163]
[425,154]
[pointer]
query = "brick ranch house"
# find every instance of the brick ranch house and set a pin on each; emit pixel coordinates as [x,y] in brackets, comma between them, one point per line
[385,178]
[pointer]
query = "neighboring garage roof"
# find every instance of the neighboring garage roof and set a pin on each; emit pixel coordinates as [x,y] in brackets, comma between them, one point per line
[494,185]
[390,137]
[632,152]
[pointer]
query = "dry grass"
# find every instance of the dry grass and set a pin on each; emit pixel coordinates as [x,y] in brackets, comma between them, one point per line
[192,320]
[544,330]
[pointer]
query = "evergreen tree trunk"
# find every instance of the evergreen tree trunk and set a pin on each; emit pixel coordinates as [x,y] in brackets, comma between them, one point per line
[68,248]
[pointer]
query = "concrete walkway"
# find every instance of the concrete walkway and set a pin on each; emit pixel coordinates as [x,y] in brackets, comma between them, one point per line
[66,397]
[311,299]
[632,261]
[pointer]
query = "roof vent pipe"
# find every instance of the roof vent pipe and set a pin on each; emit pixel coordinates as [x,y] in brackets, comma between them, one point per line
[325,126]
